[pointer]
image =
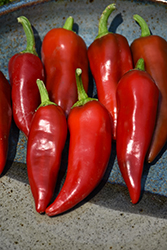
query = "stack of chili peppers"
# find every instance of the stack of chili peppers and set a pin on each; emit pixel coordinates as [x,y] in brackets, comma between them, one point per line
[51,102]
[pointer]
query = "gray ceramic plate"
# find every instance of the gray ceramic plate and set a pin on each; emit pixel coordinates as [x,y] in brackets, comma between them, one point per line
[45,15]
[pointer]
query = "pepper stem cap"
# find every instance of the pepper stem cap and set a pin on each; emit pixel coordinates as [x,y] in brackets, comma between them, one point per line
[82,95]
[140,64]
[145,31]
[103,30]
[68,25]
[45,101]
[29,35]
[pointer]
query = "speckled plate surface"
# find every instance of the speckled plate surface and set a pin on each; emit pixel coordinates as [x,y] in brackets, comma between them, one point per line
[45,15]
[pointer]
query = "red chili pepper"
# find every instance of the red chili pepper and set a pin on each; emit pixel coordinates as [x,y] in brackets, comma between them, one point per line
[109,57]
[153,49]
[62,52]
[5,119]
[24,69]
[137,100]
[46,141]
[89,150]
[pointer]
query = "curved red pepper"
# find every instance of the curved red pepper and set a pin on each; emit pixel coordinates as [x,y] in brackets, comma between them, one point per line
[5,119]
[62,52]
[109,57]
[137,100]
[24,69]
[153,49]
[44,148]
[89,151]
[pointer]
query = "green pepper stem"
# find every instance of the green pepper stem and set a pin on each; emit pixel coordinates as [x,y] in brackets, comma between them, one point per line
[143,25]
[69,23]
[82,95]
[140,64]
[29,35]
[81,91]
[103,30]
[45,101]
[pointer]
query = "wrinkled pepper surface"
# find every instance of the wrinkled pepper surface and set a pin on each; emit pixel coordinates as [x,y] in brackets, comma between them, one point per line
[24,69]
[110,58]
[5,119]
[153,49]
[90,131]
[44,149]
[137,100]
[62,52]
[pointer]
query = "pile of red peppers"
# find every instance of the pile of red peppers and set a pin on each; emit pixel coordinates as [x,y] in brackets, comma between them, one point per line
[51,106]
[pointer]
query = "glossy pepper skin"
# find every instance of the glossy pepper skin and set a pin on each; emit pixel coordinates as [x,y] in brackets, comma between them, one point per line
[5,119]
[137,100]
[89,125]
[110,58]
[44,149]
[153,49]
[24,69]
[62,52]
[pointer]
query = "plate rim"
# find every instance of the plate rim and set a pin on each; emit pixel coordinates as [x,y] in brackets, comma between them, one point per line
[18,4]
